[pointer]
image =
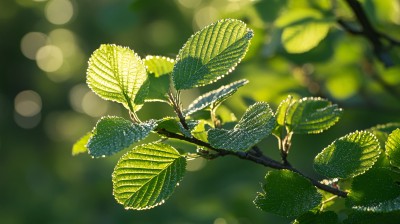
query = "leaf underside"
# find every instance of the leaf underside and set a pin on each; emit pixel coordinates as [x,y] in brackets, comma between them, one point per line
[147,175]
[113,134]
[214,97]
[116,73]
[257,122]
[348,156]
[211,53]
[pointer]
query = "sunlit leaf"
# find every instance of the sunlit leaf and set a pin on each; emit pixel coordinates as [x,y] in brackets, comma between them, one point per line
[393,148]
[211,53]
[287,194]
[310,115]
[382,131]
[147,175]
[313,217]
[348,156]
[303,29]
[113,134]
[159,65]
[214,97]
[257,122]
[116,73]
[375,191]
[80,145]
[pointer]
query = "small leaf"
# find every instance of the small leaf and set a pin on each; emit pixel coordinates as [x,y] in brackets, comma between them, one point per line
[214,97]
[257,122]
[393,148]
[116,73]
[147,175]
[311,115]
[310,217]
[211,53]
[376,191]
[303,29]
[113,134]
[382,131]
[80,145]
[287,194]
[282,110]
[159,65]
[348,156]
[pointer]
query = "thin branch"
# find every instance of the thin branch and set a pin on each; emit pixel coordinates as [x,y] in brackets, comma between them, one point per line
[175,103]
[254,155]
[375,37]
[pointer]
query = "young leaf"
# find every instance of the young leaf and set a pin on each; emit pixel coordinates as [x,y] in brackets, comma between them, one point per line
[147,175]
[116,73]
[211,53]
[257,122]
[313,217]
[287,194]
[348,156]
[282,110]
[80,145]
[393,148]
[159,65]
[376,191]
[214,97]
[382,131]
[311,115]
[113,134]
[303,29]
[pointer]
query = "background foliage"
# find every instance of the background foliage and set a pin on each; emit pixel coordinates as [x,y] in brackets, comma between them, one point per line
[45,105]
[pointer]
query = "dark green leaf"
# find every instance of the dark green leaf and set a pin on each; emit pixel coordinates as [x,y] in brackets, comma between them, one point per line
[328,217]
[147,175]
[257,122]
[287,194]
[348,156]
[113,134]
[382,131]
[372,218]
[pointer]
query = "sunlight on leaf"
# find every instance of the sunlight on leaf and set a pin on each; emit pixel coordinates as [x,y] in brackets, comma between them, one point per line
[113,134]
[147,175]
[393,148]
[211,53]
[80,145]
[348,156]
[214,97]
[116,73]
[257,123]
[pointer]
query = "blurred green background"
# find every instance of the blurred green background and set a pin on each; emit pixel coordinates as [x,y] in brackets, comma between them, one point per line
[45,105]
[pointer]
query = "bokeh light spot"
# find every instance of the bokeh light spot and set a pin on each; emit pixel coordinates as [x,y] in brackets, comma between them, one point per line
[49,58]
[32,42]
[191,4]
[205,16]
[65,40]
[28,103]
[59,12]
[195,164]
[93,105]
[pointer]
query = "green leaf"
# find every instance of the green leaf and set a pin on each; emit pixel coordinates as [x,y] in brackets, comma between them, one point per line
[372,218]
[147,175]
[113,134]
[257,122]
[287,194]
[376,191]
[303,29]
[211,53]
[311,115]
[282,110]
[80,145]
[214,97]
[116,73]
[311,217]
[159,65]
[348,156]
[393,148]
[382,131]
